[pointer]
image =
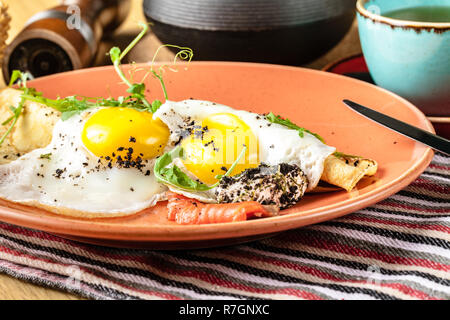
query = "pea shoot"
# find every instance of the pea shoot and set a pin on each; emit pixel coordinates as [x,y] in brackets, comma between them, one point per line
[17,111]
[287,123]
[73,105]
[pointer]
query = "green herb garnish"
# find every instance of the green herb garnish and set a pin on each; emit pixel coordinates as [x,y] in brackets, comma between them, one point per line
[137,90]
[184,53]
[344,155]
[22,77]
[45,156]
[287,123]
[175,177]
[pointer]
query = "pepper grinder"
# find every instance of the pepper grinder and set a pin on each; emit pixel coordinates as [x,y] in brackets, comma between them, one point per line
[63,38]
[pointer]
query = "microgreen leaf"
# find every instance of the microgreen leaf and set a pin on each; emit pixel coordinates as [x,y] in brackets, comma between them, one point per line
[344,155]
[116,57]
[175,177]
[155,105]
[287,123]
[45,156]
[184,53]
[16,74]
[74,105]
[137,88]
[66,115]
[17,111]
[4,123]
[23,76]
[114,53]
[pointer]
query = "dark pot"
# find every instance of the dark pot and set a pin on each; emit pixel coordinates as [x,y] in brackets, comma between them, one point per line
[273,31]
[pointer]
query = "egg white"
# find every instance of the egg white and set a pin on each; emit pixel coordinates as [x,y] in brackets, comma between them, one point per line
[72,181]
[277,143]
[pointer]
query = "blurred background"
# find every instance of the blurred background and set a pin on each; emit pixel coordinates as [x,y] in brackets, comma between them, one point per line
[313,35]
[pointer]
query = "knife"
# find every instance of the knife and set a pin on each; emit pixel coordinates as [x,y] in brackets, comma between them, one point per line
[434,141]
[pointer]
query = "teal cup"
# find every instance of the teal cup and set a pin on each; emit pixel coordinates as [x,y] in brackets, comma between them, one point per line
[406,55]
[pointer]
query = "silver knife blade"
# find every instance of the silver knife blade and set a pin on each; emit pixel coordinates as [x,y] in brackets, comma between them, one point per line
[434,141]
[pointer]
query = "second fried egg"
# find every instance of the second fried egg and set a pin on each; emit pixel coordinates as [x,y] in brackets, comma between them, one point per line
[213,136]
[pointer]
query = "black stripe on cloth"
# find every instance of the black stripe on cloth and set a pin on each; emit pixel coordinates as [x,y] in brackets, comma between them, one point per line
[358,266]
[118,268]
[412,238]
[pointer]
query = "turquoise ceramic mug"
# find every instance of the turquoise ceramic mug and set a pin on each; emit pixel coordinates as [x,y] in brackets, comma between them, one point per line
[406,52]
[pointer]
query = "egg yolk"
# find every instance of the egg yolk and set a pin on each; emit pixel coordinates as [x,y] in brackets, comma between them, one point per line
[111,132]
[211,150]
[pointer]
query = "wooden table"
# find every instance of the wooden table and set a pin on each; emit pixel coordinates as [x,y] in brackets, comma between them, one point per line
[22,10]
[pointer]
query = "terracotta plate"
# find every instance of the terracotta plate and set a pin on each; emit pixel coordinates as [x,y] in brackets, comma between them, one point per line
[307,97]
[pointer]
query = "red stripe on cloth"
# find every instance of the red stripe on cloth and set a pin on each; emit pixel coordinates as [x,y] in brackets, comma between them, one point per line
[401,224]
[436,166]
[408,207]
[410,291]
[86,270]
[327,276]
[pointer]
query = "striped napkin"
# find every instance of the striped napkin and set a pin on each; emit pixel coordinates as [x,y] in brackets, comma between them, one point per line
[396,249]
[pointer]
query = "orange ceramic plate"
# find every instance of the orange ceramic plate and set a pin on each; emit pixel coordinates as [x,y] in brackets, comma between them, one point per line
[312,99]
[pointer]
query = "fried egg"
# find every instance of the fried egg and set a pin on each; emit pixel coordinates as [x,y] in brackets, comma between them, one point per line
[213,136]
[99,164]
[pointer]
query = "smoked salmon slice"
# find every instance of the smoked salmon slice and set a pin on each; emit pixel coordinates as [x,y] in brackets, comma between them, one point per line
[187,211]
